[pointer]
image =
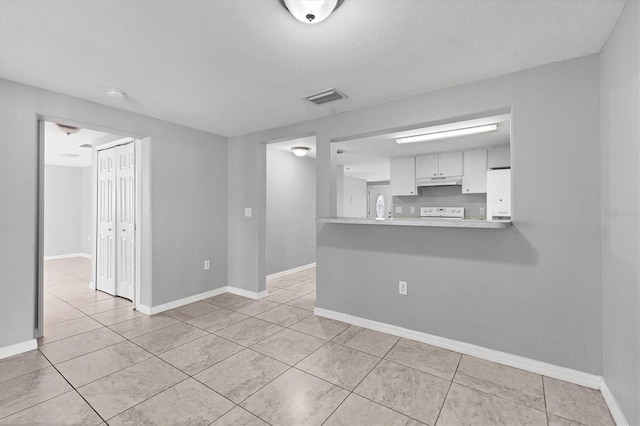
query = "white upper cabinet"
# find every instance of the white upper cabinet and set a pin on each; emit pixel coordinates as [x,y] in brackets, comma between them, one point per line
[474,180]
[500,157]
[450,164]
[427,166]
[403,176]
[439,165]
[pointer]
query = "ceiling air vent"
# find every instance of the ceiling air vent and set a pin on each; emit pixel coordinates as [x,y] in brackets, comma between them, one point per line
[325,96]
[85,145]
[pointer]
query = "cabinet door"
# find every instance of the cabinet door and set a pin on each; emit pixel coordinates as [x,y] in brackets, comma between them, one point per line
[427,166]
[450,164]
[403,176]
[500,157]
[474,180]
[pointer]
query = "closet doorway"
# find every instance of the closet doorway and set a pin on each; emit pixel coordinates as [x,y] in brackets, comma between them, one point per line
[115,219]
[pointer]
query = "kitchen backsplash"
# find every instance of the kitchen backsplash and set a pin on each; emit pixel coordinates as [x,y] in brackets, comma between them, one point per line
[441,196]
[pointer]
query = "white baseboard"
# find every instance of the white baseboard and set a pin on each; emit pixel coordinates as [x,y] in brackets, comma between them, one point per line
[246,293]
[18,348]
[291,271]
[516,361]
[152,310]
[67,256]
[614,408]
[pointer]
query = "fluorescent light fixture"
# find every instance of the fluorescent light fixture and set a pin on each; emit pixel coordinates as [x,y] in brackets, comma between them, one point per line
[311,11]
[300,151]
[448,134]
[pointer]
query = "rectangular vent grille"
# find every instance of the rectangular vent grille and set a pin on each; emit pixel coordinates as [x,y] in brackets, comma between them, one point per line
[85,145]
[325,96]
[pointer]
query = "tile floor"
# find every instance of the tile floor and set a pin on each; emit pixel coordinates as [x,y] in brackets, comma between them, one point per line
[229,360]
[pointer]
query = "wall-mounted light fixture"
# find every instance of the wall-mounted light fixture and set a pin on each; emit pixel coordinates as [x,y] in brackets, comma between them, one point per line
[448,134]
[311,11]
[300,151]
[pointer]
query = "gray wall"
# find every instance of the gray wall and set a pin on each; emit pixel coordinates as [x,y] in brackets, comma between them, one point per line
[291,210]
[85,211]
[62,210]
[187,169]
[533,290]
[441,196]
[620,129]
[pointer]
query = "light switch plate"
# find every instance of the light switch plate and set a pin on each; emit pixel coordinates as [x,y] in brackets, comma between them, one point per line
[247,212]
[413,209]
[402,288]
[207,265]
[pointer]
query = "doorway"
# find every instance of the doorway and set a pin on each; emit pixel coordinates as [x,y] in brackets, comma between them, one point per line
[70,254]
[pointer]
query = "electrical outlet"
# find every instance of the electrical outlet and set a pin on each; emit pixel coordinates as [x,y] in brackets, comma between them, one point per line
[481,210]
[207,265]
[402,288]
[398,209]
[413,209]
[247,212]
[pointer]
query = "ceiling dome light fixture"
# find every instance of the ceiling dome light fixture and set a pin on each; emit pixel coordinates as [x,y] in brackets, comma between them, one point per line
[311,11]
[300,151]
[69,130]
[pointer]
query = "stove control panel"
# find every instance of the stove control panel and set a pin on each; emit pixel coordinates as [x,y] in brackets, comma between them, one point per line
[445,212]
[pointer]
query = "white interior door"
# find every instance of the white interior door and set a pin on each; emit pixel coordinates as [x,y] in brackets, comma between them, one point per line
[106,222]
[115,253]
[125,231]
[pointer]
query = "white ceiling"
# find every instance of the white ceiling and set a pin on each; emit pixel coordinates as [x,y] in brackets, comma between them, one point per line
[61,149]
[239,66]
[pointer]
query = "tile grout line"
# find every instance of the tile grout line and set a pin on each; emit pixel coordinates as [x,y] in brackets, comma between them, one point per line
[446,395]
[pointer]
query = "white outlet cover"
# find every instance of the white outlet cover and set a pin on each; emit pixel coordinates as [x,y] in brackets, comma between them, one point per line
[398,209]
[247,212]
[481,210]
[413,209]
[402,287]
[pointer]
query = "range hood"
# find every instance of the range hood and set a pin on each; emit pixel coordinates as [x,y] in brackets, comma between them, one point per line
[443,181]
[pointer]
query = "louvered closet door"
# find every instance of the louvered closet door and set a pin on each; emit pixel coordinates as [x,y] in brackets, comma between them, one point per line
[125,203]
[106,222]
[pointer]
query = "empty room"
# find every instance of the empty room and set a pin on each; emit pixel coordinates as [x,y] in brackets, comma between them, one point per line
[320,212]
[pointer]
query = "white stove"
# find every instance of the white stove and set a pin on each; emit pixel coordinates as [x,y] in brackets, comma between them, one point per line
[442,212]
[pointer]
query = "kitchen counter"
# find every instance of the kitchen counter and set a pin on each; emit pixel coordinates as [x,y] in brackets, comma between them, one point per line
[441,223]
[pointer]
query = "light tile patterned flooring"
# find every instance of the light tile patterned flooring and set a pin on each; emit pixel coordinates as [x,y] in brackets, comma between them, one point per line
[229,360]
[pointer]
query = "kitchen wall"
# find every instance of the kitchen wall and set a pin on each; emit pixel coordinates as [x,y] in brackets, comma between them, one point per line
[533,290]
[291,210]
[620,214]
[441,196]
[185,181]
[62,210]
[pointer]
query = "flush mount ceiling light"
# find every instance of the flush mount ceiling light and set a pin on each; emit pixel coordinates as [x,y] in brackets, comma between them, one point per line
[115,93]
[448,134]
[311,11]
[69,130]
[300,151]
